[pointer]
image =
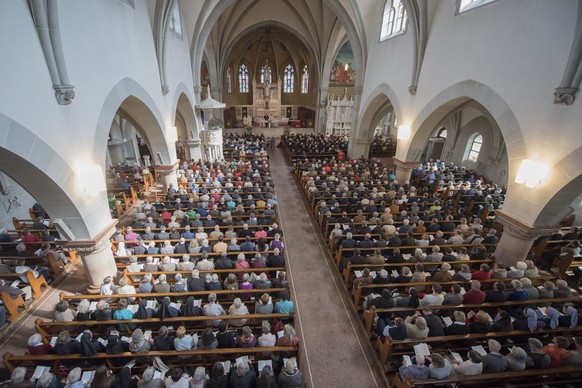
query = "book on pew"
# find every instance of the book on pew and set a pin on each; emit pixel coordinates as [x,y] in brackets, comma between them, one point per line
[93,306]
[133,308]
[430,237]
[87,376]
[78,338]
[463,292]
[15,283]
[395,273]
[456,356]
[263,363]
[543,310]
[479,349]
[406,256]
[102,341]
[176,305]
[147,335]
[39,371]
[448,321]
[156,260]
[406,361]
[151,304]
[175,261]
[422,349]
[54,341]
[158,374]
[280,333]
[195,337]
[126,339]
[140,266]
[226,365]
[427,274]
[452,272]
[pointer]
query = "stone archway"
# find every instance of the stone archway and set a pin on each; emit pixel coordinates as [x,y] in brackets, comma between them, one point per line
[186,123]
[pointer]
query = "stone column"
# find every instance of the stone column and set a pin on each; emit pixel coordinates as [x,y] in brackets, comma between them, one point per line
[194,149]
[97,257]
[404,169]
[167,174]
[320,115]
[517,239]
[359,147]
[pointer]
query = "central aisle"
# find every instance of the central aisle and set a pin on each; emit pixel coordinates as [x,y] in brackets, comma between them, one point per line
[335,352]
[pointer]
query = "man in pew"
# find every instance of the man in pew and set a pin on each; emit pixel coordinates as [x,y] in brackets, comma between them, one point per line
[474,295]
[26,292]
[496,294]
[494,361]
[434,323]
[22,268]
[416,370]
[48,252]
[5,239]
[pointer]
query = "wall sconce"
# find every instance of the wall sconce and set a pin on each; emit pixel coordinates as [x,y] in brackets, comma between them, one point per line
[346,66]
[403,132]
[90,179]
[531,173]
[172,134]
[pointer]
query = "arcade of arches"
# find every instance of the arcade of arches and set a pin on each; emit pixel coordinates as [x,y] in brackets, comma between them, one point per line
[484,86]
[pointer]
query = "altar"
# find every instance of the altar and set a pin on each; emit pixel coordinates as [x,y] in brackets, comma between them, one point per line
[267,102]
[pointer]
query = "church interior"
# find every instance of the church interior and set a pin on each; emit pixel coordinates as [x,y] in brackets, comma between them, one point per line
[317,154]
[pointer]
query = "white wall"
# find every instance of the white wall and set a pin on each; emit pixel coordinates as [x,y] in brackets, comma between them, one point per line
[104,42]
[518,49]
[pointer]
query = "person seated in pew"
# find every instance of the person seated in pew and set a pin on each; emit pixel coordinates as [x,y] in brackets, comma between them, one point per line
[164,341]
[557,350]
[502,321]
[496,294]
[440,367]
[459,325]
[213,309]
[518,294]
[179,284]
[416,370]
[494,361]
[63,313]
[470,367]
[454,297]
[143,311]
[122,314]
[14,292]
[435,298]
[562,289]
[443,274]
[532,271]
[247,339]
[416,326]
[124,288]
[146,285]
[382,278]
[133,265]
[433,322]
[89,347]
[498,271]
[83,313]
[540,359]
[532,293]
[474,295]
[22,268]
[166,310]
[207,340]
[463,274]
[115,344]
[518,270]
[518,359]
[484,273]
[36,347]
[574,357]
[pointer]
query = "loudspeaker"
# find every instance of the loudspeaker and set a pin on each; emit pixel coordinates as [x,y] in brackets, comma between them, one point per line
[63,229]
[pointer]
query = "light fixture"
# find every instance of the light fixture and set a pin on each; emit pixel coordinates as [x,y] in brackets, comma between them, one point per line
[90,179]
[403,132]
[346,66]
[531,173]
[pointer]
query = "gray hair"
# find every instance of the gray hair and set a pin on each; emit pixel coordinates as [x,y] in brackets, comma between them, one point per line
[34,339]
[18,374]
[148,374]
[74,376]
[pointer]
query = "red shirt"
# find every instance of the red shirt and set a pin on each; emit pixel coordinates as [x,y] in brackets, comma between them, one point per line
[556,354]
[481,275]
[474,297]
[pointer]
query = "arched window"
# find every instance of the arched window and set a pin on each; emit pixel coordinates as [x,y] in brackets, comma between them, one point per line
[266,77]
[228,81]
[243,79]
[305,80]
[175,20]
[466,5]
[474,147]
[442,133]
[288,79]
[393,19]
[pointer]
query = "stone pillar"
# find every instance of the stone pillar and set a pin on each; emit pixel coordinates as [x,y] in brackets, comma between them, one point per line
[517,239]
[404,169]
[167,174]
[194,149]
[97,257]
[359,147]
[320,115]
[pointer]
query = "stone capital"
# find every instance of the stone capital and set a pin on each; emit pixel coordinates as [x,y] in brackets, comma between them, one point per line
[565,96]
[520,229]
[193,142]
[97,244]
[167,169]
[64,94]
[405,165]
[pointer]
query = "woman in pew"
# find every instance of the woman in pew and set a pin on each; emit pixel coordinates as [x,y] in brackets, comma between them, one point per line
[122,313]
[218,379]
[471,367]
[63,313]
[179,284]
[166,310]
[459,325]
[416,327]
[146,285]
[247,339]
[245,284]
[83,313]
[289,337]
[184,341]
[480,322]
[143,312]
[207,340]
[114,343]
[37,348]
[502,321]
[518,359]
[440,367]
[103,312]
[88,347]
[463,275]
